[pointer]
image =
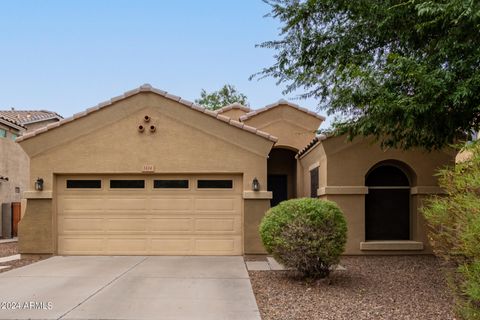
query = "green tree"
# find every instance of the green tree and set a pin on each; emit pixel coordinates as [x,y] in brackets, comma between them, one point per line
[454,222]
[405,72]
[228,94]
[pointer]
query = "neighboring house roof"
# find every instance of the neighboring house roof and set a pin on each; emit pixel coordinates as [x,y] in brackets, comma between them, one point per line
[30,116]
[11,122]
[235,105]
[280,102]
[149,88]
[311,144]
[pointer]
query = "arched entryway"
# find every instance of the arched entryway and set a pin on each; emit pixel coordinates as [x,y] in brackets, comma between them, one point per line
[387,204]
[281,170]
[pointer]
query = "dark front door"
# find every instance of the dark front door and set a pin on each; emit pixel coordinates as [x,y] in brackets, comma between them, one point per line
[277,183]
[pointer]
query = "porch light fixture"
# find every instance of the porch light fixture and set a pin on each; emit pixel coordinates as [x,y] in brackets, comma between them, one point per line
[2,178]
[255,184]
[39,184]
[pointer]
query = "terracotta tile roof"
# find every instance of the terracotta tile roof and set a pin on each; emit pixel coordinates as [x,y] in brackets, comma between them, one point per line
[30,116]
[11,120]
[279,103]
[149,88]
[311,144]
[235,105]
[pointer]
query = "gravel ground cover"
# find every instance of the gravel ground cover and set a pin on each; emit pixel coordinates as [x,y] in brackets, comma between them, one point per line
[372,287]
[9,249]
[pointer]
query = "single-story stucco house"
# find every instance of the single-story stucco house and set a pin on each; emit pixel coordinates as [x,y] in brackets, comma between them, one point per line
[148,173]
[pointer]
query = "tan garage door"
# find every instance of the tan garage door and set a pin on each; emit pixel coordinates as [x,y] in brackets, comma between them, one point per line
[149,215]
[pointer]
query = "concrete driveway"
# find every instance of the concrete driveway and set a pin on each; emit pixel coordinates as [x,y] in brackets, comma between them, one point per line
[129,288]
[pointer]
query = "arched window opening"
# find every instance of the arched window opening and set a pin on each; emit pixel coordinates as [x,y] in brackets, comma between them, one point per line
[387,204]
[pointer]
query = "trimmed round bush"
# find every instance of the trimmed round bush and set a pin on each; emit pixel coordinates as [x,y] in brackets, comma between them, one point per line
[305,234]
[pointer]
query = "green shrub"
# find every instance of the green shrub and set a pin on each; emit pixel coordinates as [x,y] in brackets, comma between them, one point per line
[454,222]
[308,235]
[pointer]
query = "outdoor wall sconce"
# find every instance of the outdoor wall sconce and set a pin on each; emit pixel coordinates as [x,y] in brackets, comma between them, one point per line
[255,184]
[141,128]
[2,178]
[39,184]
[152,128]
[146,118]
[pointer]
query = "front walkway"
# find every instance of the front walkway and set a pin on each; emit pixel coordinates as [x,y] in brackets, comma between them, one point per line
[129,288]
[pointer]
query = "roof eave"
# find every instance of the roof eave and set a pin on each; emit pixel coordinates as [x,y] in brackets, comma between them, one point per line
[149,88]
[234,106]
[45,119]
[277,104]
[12,125]
[312,145]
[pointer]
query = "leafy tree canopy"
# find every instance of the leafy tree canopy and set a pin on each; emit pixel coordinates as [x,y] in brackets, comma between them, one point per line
[228,94]
[404,71]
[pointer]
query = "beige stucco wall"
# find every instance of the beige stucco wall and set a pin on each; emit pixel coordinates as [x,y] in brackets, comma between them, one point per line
[107,141]
[349,162]
[36,231]
[314,158]
[254,212]
[185,141]
[14,164]
[294,128]
[353,207]
[342,169]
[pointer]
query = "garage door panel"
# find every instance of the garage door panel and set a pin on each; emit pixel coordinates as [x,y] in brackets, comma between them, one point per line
[171,225]
[150,220]
[79,203]
[217,245]
[127,225]
[174,214]
[126,245]
[176,204]
[215,225]
[129,203]
[69,225]
[72,245]
[216,204]
[171,246]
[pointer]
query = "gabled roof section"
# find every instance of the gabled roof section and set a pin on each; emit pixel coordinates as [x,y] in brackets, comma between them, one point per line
[30,116]
[149,88]
[11,122]
[232,106]
[280,102]
[311,144]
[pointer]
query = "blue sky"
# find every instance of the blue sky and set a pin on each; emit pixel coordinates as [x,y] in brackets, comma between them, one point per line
[67,56]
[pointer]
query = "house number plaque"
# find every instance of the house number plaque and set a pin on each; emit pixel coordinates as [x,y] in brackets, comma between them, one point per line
[148,168]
